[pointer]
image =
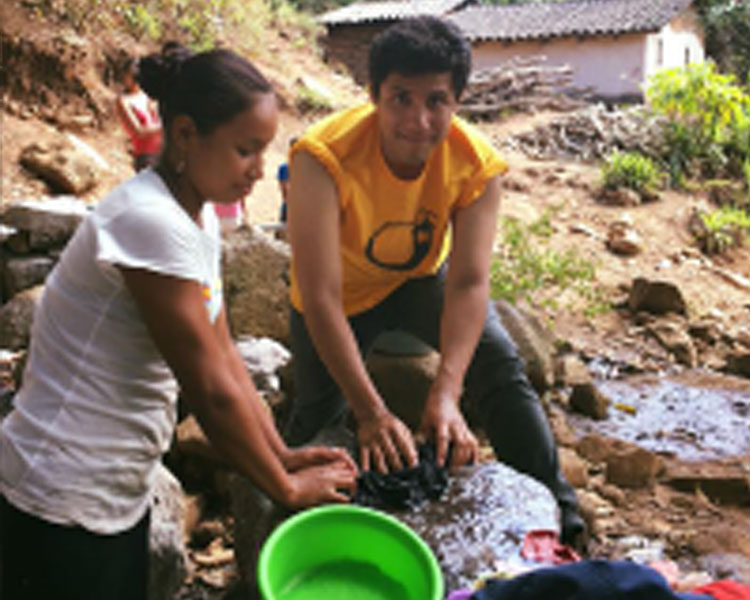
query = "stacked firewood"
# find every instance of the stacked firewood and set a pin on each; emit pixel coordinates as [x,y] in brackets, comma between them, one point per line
[593,133]
[521,84]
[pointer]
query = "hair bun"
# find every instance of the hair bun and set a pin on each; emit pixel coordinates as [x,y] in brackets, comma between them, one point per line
[158,72]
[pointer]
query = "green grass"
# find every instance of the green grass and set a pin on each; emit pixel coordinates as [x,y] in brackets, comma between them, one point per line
[631,170]
[199,24]
[310,101]
[725,228]
[525,268]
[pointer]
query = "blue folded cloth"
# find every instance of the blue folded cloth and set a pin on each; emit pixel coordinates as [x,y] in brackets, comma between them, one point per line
[585,580]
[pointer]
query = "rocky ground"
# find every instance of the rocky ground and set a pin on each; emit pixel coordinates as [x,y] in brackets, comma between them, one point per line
[645,487]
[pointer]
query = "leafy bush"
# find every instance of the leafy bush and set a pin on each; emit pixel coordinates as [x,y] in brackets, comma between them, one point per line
[631,170]
[708,120]
[723,228]
[523,266]
[310,101]
[727,27]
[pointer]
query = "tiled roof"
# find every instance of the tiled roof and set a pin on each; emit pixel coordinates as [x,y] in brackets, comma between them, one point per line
[576,18]
[389,10]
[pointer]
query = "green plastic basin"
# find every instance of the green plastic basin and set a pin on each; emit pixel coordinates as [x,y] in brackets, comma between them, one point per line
[347,552]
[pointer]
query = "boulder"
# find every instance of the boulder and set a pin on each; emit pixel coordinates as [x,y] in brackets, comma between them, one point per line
[16,317]
[596,448]
[738,363]
[534,341]
[587,399]
[571,370]
[256,284]
[656,297]
[674,338]
[24,272]
[46,223]
[480,520]
[724,483]
[623,239]
[726,566]
[403,382]
[168,558]
[10,363]
[619,196]
[62,164]
[632,468]
[573,467]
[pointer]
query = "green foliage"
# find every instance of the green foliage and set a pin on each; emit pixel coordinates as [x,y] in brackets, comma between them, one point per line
[318,6]
[310,101]
[708,120]
[200,24]
[724,228]
[141,22]
[523,267]
[631,170]
[727,27]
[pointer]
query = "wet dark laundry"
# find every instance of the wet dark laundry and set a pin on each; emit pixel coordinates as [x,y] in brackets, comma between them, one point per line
[585,580]
[407,488]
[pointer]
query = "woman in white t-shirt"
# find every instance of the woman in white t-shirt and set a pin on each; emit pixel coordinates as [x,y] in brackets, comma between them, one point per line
[133,310]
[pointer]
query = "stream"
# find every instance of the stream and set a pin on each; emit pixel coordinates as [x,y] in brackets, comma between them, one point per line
[692,416]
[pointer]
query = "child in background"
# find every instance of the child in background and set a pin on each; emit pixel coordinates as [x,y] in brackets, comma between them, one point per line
[231,216]
[140,117]
[283,177]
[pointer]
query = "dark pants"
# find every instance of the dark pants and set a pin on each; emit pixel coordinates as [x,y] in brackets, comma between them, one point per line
[508,406]
[44,561]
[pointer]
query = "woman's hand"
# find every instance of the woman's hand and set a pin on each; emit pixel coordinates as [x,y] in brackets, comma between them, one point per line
[295,459]
[333,481]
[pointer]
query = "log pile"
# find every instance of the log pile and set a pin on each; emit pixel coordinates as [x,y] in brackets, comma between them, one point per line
[592,133]
[522,84]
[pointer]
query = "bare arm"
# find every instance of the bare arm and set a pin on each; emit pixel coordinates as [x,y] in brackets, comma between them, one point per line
[314,236]
[292,460]
[464,312]
[228,409]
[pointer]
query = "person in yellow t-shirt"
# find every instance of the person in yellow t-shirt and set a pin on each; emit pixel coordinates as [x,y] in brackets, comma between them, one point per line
[392,214]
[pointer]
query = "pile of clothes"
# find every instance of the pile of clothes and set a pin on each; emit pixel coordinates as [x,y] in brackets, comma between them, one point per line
[570,578]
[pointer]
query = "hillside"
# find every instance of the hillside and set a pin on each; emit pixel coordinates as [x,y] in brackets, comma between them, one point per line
[61,81]
[58,81]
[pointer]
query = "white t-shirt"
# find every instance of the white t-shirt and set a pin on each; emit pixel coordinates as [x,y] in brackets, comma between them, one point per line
[97,406]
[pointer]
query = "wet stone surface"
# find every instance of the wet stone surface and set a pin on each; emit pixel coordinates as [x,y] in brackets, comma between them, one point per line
[481,518]
[694,417]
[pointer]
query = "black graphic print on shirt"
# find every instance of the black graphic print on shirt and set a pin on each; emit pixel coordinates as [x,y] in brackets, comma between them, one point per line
[415,236]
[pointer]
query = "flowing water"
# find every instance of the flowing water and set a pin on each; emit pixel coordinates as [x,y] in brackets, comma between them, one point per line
[694,416]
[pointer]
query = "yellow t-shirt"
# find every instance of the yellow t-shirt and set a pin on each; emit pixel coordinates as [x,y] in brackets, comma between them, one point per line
[392,230]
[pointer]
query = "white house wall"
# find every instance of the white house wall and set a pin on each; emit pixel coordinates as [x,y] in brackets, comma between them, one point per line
[612,66]
[673,46]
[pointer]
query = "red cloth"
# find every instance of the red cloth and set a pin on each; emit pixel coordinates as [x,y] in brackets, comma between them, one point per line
[542,545]
[724,590]
[152,143]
